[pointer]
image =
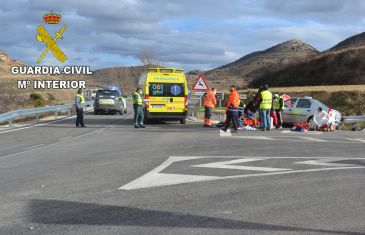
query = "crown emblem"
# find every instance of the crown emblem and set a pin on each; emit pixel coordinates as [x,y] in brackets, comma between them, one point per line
[52,18]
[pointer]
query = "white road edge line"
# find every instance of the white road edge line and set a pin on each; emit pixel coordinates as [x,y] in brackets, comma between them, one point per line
[312,139]
[59,142]
[357,140]
[254,137]
[35,146]
[40,124]
[306,133]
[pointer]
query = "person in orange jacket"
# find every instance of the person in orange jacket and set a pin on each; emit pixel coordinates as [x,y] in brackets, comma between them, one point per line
[210,101]
[232,109]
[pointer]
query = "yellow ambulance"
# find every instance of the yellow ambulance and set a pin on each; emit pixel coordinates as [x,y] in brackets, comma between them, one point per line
[165,93]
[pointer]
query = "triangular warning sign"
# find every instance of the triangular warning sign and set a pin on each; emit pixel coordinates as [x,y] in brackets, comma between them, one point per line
[200,84]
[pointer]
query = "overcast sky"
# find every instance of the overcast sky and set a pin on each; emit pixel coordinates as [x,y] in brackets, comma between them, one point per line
[192,34]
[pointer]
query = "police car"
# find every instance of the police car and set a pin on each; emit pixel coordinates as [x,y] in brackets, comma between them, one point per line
[109,99]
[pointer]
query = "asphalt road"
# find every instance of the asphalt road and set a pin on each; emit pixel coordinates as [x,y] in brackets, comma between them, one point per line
[110,178]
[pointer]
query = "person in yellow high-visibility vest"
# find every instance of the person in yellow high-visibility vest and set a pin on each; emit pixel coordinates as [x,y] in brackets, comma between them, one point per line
[138,108]
[265,107]
[79,103]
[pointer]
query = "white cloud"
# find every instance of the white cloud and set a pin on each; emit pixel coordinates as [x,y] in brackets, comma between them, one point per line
[194,34]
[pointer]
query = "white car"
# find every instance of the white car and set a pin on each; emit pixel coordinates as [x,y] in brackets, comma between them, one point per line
[302,109]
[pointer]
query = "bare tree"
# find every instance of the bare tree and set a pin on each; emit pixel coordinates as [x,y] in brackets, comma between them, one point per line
[147,57]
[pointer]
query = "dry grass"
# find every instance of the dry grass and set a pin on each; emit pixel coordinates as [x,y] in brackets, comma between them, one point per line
[12,98]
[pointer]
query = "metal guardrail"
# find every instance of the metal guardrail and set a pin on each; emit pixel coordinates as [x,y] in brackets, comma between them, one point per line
[351,119]
[197,102]
[9,116]
[345,119]
[198,112]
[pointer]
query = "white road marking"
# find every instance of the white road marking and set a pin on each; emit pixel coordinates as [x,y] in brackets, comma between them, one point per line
[40,124]
[294,138]
[286,131]
[56,143]
[224,134]
[254,137]
[312,139]
[60,141]
[228,165]
[155,178]
[358,140]
[306,133]
[327,162]
[68,137]
[35,146]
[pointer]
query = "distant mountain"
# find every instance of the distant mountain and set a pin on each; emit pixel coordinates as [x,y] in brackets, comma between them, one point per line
[351,42]
[343,64]
[258,63]
[6,62]
[332,68]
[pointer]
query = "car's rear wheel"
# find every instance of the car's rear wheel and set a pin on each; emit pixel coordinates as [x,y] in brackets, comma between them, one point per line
[96,112]
[183,120]
[121,112]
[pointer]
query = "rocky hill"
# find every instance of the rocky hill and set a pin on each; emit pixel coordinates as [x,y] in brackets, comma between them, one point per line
[6,62]
[341,68]
[351,42]
[258,63]
[343,64]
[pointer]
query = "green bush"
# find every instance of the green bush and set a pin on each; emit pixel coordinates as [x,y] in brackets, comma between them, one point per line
[37,100]
[35,96]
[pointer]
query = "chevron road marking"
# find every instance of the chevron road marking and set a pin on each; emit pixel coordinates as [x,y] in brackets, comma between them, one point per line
[155,178]
[327,162]
[228,165]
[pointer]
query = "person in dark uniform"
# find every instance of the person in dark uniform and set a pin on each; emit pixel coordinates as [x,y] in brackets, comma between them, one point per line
[79,103]
[138,108]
